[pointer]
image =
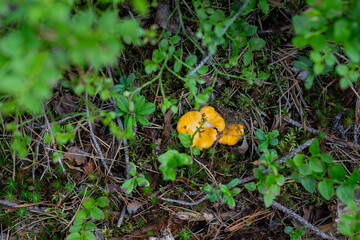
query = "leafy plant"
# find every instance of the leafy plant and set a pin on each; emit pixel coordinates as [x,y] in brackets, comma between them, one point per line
[268,173]
[328,27]
[295,233]
[134,110]
[171,160]
[81,228]
[350,225]
[320,166]
[124,84]
[267,139]
[223,192]
[129,185]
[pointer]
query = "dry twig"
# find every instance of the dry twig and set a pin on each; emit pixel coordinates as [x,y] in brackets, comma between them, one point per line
[291,213]
[93,135]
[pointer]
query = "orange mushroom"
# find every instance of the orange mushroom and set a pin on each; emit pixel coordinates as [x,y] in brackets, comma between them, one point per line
[211,123]
[207,134]
[213,118]
[232,134]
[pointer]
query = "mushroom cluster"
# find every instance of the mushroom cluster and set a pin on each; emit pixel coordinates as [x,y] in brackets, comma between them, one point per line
[208,125]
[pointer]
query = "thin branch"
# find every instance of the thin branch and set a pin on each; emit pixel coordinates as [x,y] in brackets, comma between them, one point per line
[121,126]
[122,215]
[53,142]
[93,135]
[125,144]
[26,206]
[209,55]
[328,138]
[291,213]
[183,202]
[277,80]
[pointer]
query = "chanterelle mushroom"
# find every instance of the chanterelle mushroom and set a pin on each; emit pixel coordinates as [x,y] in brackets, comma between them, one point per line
[232,134]
[207,135]
[213,118]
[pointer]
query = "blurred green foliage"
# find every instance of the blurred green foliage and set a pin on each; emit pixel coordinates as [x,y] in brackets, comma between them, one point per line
[43,38]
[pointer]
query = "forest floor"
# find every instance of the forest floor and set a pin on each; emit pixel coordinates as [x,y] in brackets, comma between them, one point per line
[38,200]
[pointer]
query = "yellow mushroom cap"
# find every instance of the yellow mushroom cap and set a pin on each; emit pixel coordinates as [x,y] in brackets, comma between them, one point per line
[189,122]
[232,134]
[213,118]
[205,137]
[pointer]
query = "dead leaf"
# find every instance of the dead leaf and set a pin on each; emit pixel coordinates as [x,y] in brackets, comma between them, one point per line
[89,167]
[75,154]
[65,104]
[244,146]
[162,16]
[133,207]
[167,125]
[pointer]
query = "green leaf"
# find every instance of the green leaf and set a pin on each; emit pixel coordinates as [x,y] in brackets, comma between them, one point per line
[260,134]
[264,5]
[344,82]
[250,30]
[170,160]
[196,150]
[185,139]
[90,225]
[143,121]
[345,225]
[341,30]
[354,177]
[233,183]
[131,169]
[326,158]
[258,173]
[337,172]
[230,201]
[250,186]
[314,147]
[177,66]
[345,193]
[147,108]
[175,39]
[75,228]
[141,181]
[316,165]
[103,201]
[122,104]
[128,185]
[191,60]
[256,43]
[268,199]
[247,58]
[309,183]
[326,189]
[235,191]
[97,213]
[80,215]
[73,236]
[301,24]
[89,236]
[139,103]
[342,69]
[298,159]
[89,203]
[304,169]
[203,70]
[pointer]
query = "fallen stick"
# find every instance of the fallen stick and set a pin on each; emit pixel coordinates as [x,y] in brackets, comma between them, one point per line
[326,137]
[291,213]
